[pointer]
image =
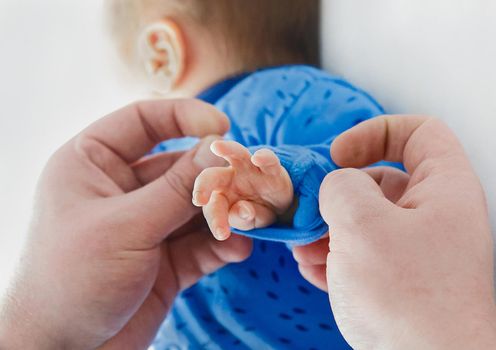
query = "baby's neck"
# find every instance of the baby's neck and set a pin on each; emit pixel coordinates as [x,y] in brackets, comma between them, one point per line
[194,85]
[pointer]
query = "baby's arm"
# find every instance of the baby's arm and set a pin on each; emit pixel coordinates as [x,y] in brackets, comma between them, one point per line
[252,192]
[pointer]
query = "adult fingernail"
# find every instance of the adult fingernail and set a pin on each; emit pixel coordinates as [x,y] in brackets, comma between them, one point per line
[204,158]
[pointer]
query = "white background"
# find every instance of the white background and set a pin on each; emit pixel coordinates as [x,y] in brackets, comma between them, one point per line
[434,57]
[57,75]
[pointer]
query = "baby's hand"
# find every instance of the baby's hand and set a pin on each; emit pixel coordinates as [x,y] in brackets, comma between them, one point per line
[248,194]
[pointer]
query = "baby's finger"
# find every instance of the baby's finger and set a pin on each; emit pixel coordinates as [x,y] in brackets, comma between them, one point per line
[242,215]
[209,180]
[236,154]
[267,161]
[216,214]
[245,215]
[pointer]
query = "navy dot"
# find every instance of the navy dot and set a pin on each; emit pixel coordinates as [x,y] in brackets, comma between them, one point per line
[263,246]
[180,326]
[249,329]
[222,331]
[309,121]
[301,328]
[325,326]
[284,77]
[253,274]
[351,99]
[187,294]
[209,290]
[327,94]
[298,310]
[211,275]
[272,295]
[280,94]
[304,290]
[207,318]
[285,340]
[275,276]
[285,316]
[282,262]
[237,342]
[239,310]
[224,289]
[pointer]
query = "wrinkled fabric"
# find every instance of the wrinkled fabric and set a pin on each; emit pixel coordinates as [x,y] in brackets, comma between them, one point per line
[264,302]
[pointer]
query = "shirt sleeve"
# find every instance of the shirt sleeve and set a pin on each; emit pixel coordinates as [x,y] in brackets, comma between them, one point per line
[298,115]
[307,166]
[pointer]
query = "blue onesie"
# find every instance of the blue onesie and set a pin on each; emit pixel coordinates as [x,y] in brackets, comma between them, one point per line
[264,302]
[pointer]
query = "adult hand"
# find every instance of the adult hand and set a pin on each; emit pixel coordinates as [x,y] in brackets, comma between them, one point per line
[411,261]
[114,237]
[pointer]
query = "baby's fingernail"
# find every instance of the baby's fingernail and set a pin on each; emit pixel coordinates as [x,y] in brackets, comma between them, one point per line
[244,213]
[198,198]
[220,234]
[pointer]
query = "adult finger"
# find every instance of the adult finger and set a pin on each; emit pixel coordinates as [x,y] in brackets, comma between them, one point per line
[164,205]
[393,182]
[412,140]
[350,196]
[315,274]
[198,254]
[133,130]
[152,167]
[312,254]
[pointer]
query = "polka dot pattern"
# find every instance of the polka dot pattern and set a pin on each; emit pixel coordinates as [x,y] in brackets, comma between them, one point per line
[264,302]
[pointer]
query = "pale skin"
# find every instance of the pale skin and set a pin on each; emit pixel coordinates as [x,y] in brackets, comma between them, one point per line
[409,264]
[250,193]
[115,236]
[113,241]
[254,191]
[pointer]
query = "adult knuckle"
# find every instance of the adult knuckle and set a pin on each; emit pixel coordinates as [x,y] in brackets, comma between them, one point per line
[179,183]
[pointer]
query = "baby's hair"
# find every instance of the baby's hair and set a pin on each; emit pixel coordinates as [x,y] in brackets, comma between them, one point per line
[259,32]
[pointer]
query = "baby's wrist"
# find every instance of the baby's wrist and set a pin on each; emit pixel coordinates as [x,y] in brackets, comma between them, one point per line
[287,217]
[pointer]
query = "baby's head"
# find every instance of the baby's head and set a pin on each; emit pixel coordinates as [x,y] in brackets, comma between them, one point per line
[187,45]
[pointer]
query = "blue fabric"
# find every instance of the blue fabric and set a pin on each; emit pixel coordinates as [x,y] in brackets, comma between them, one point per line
[263,302]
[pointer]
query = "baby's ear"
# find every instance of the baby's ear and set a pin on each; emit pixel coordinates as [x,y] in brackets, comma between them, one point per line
[163,54]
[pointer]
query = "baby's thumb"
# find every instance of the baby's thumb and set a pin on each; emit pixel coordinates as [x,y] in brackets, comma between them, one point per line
[350,197]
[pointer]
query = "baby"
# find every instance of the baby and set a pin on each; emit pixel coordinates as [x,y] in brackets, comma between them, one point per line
[253,60]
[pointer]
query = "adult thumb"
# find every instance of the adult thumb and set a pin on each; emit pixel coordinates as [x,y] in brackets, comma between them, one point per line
[164,205]
[351,197]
